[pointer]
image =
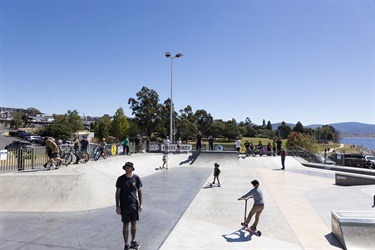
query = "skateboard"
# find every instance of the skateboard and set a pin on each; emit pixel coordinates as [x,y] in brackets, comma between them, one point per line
[211,184]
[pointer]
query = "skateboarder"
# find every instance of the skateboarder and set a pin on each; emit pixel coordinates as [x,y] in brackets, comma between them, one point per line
[216,174]
[257,194]
[165,160]
[129,203]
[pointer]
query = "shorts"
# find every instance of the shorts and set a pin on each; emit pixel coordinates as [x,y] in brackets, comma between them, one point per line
[129,217]
[84,150]
[53,155]
[238,149]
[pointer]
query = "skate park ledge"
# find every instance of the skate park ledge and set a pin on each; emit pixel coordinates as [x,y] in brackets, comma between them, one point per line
[354,229]
[347,179]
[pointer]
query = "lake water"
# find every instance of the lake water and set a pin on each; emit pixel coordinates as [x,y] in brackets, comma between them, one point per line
[367,142]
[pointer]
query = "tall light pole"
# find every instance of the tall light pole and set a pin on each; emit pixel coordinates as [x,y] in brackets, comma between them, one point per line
[168,55]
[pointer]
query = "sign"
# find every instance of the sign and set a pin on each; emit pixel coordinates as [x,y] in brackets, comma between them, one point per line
[3,155]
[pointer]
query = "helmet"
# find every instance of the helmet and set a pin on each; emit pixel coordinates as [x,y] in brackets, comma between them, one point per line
[84,136]
[255,182]
[103,139]
[74,135]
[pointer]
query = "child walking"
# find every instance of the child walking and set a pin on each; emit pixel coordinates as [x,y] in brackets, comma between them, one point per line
[216,174]
[165,160]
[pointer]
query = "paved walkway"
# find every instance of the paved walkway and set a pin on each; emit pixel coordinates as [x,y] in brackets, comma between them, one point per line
[73,207]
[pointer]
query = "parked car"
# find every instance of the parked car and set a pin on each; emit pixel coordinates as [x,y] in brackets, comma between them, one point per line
[370,161]
[350,160]
[320,159]
[17,144]
[34,138]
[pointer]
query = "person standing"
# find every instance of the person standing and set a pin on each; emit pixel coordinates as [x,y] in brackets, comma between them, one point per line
[257,209]
[279,143]
[199,142]
[147,144]
[125,144]
[165,161]
[137,142]
[76,148]
[85,146]
[216,174]
[247,147]
[211,143]
[238,145]
[179,142]
[129,203]
[166,144]
[283,155]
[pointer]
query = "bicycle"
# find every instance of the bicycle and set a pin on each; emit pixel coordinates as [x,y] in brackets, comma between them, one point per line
[100,152]
[66,156]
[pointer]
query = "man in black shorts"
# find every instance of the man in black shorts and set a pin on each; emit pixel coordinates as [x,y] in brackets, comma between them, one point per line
[129,203]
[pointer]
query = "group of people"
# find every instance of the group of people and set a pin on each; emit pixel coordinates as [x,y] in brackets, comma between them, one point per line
[80,149]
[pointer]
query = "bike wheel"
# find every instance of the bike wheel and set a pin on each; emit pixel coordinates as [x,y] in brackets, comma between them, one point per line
[105,155]
[85,158]
[67,159]
[96,155]
[253,153]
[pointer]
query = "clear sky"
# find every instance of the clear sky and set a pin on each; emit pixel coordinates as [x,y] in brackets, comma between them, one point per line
[296,60]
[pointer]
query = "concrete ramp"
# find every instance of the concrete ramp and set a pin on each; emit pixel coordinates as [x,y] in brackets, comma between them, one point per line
[208,158]
[354,230]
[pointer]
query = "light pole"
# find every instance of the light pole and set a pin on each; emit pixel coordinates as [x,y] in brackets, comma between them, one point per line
[168,55]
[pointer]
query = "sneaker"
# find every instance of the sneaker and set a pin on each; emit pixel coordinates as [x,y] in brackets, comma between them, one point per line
[253,228]
[244,224]
[127,247]
[134,245]
[45,165]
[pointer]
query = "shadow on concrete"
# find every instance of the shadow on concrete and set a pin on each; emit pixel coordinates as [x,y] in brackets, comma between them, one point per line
[333,241]
[238,236]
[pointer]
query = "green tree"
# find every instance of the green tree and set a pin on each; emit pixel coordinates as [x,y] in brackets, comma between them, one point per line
[269,125]
[57,130]
[284,130]
[145,109]
[203,121]
[298,141]
[102,127]
[120,124]
[298,128]
[232,130]
[17,121]
[33,111]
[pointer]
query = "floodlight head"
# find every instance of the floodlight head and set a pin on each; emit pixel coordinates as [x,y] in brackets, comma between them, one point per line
[179,55]
[167,54]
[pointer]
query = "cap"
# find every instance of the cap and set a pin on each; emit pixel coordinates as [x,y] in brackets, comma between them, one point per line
[255,182]
[216,165]
[128,163]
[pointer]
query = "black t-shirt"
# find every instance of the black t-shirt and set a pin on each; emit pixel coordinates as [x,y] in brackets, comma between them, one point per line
[128,194]
[84,144]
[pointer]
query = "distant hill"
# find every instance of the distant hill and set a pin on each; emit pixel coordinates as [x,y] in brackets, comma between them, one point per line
[343,127]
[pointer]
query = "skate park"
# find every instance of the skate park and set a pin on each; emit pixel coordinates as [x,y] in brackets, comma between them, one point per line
[73,207]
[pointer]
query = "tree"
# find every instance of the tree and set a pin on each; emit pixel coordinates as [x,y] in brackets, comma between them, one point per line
[298,128]
[298,141]
[17,121]
[120,124]
[57,130]
[33,111]
[283,130]
[145,109]
[231,130]
[269,125]
[102,127]
[203,121]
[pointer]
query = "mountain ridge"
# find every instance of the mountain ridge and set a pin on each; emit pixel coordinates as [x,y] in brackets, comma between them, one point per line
[342,127]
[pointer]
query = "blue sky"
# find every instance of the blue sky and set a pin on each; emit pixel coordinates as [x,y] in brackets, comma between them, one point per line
[308,61]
